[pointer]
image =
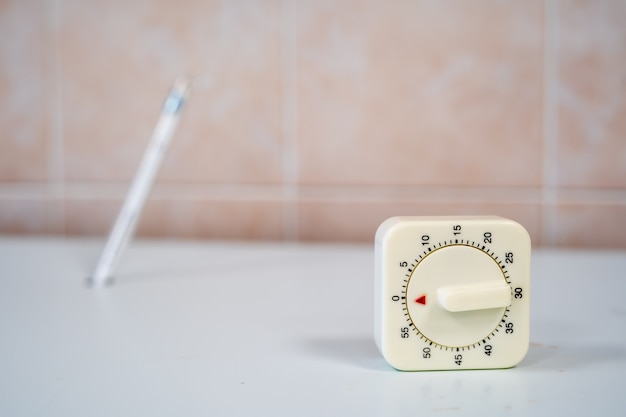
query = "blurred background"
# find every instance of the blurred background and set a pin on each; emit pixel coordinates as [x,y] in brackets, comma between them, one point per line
[316,120]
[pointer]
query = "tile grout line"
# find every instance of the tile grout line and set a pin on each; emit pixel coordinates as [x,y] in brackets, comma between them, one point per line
[357,193]
[103,190]
[119,188]
[289,100]
[550,124]
[54,112]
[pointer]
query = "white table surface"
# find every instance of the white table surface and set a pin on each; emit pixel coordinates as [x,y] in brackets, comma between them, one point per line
[215,328]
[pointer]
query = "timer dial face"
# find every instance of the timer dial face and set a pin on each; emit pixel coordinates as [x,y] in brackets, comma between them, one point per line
[452,292]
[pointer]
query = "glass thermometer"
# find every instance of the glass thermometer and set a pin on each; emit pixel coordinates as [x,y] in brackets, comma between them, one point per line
[142,183]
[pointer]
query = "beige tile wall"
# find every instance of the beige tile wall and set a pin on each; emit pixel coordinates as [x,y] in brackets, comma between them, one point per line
[316,120]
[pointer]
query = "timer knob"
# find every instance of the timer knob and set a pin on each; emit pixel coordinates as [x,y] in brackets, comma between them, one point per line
[471,293]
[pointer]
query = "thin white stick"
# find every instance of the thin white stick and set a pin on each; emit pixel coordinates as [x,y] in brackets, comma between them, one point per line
[128,216]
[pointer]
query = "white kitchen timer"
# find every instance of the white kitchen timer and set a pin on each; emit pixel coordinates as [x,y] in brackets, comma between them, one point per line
[452,292]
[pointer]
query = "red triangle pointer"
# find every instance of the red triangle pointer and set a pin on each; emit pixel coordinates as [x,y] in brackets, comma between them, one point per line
[421,299]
